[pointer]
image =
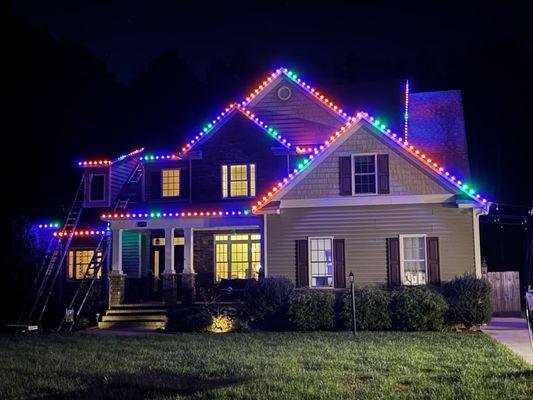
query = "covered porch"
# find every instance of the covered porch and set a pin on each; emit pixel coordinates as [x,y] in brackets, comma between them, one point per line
[182,259]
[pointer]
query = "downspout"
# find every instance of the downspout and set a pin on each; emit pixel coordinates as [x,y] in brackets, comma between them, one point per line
[476,213]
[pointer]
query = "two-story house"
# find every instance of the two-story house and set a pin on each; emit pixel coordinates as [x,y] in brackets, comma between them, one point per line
[285,183]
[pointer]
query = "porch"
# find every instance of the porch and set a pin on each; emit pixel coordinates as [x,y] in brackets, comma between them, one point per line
[182,260]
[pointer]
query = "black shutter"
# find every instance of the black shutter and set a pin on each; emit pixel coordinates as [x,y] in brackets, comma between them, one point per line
[302,265]
[383,174]
[340,263]
[432,245]
[345,176]
[184,183]
[155,184]
[393,260]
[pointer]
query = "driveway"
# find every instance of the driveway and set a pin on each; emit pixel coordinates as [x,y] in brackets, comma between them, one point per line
[512,332]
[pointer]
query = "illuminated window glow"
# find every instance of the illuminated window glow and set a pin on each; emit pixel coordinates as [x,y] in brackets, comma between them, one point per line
[321,262]
[237,256]
[78,263]
[413,268]
[238,180]
[170,182]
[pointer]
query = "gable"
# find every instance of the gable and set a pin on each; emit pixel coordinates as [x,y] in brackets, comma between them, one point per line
[405,176]
[303,119]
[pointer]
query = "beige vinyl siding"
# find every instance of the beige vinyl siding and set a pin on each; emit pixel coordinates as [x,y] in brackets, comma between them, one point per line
[365,229]
[406,178]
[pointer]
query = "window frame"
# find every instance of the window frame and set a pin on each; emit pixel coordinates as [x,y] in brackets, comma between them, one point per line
[402,258]
[352,166]
[309,262]
[74,261]
[104,191]
[226,186]
[179,183]
[228,242]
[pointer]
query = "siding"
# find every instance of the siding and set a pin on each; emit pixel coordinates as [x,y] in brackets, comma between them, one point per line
[300,118]
[405,176]
[130,253]
[365,229]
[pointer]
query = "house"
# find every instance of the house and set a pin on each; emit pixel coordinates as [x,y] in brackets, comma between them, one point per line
[284,183]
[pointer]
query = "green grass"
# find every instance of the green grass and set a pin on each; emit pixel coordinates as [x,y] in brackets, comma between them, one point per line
[263,366]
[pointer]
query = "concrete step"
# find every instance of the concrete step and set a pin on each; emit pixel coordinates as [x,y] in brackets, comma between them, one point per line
[137,311]
[141,306]
[159,317]
[132,324]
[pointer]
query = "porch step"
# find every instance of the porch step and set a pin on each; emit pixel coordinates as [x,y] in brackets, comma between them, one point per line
[132,324]
[141,306]
[135,317]
[136,311]
[146,316]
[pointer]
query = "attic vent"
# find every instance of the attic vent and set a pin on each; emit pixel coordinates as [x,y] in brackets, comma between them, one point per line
[284,93]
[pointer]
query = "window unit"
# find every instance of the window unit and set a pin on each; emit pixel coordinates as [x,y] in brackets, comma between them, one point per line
[78,263]
[237,256]
[97,187]
[413,260]
[170,182]
[321,267]
[364,174]
[238,180]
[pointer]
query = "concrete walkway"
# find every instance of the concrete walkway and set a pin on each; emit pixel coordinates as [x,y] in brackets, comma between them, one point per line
[512,332]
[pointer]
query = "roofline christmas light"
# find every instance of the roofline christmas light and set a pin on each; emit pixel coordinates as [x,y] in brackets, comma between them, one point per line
[82,232]
[160,157]
[51,225]
[106,163]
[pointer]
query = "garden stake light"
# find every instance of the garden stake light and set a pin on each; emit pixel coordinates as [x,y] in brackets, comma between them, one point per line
[352,290]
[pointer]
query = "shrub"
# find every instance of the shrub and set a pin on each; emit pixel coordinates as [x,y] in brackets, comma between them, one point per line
[189,319]
[312,309]
[372,311]
[418,308]
[267,300]
[469,300]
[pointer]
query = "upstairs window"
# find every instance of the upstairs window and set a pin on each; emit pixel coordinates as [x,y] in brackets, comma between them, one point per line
[238,180]
[97,188]
[364,174]
[413,269]
[170,183]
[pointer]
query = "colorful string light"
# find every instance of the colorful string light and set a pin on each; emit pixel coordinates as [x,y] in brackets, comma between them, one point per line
[406,112]
[160,157]
[83,232]
[106,163]
[159,214]
[51,225]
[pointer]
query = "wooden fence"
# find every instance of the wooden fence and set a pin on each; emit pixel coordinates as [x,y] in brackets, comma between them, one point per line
[505,291]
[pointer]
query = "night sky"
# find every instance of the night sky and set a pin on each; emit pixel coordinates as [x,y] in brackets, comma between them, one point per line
[101,78]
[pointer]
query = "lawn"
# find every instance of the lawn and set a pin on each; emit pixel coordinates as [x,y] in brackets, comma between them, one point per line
[262,366]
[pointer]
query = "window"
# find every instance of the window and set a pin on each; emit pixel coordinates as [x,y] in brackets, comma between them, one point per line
[78,263]
[237,256]
[413,259]
[170,182]
[97,189]
[238,180]
[364,174]
[321,262]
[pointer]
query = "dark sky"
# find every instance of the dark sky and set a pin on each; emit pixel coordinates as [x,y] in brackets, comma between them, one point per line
[127,35]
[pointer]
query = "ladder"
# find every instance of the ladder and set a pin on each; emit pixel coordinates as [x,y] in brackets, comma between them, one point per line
[48,273]
[91,275]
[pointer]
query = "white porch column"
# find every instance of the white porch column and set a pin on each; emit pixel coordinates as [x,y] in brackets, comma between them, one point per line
[188,251]
[116,261]
[169,251]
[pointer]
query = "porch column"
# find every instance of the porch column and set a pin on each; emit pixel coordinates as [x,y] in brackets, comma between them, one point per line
[169,276]
[117,279]
[188,289]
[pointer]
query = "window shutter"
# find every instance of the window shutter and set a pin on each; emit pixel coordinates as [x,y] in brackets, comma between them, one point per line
[155,185]
[345,176]
[393,261]
[302,265]
[433,262]
[184,183]
[340,264]
[383,174]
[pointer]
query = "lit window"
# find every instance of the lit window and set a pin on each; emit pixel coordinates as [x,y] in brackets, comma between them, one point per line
[413,259]
[97,188]
[321,262]
[238,180]
[237,256]
[78,263]
[364,174]
[170,182]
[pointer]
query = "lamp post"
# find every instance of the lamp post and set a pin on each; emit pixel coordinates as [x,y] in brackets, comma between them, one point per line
[352,290]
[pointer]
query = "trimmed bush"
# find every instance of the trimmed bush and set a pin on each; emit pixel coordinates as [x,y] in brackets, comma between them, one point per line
[418,308]
[312,309]
[372,311]
[268,300]
[469,300]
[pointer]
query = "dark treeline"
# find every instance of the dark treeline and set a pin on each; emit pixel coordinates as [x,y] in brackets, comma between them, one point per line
[60,103]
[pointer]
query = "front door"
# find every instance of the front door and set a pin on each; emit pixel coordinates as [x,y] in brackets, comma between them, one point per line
[157,267]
